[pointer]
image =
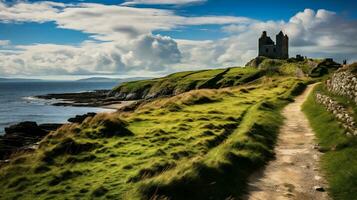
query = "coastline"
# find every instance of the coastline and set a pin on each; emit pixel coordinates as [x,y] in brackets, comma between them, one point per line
[25,135]
[96,98]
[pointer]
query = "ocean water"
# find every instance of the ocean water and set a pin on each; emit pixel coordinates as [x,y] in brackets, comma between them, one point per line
[17,103]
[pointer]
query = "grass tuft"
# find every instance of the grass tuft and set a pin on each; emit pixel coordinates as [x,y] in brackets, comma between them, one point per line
[68,146]
[63,176]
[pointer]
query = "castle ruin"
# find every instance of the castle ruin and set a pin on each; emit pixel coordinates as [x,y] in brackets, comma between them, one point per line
[269,49]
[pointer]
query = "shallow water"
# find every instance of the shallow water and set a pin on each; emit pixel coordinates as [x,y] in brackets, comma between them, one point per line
[18,104]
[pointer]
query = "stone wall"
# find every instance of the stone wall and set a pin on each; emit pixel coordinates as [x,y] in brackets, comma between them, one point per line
[344,83]
[340,112]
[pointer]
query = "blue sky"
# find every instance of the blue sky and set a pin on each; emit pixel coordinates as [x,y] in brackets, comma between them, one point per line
[27,33]
[155,37]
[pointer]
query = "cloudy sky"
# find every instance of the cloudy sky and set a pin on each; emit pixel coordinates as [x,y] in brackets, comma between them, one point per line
[71,39]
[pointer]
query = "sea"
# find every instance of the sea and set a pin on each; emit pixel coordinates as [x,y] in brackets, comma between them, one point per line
[17,101]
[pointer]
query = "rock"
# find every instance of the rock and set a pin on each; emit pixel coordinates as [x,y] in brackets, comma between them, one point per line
[50,127]
[28,128]
[23,137]
[319,188]
[80,118]
[255,62]
[93,98]
[317,177]
[341,113]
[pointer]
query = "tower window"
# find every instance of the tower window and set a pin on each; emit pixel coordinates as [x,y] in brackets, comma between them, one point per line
[267,50]
[274,50]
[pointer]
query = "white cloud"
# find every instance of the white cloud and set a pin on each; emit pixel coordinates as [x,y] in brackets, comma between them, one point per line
[127,46]
[106,22]
[145,53]
[312,33]
[126,33]
[233,28]
[162,2]
[24,11]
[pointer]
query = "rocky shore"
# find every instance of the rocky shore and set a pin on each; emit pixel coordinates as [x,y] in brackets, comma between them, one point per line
[24,136]
[97,98]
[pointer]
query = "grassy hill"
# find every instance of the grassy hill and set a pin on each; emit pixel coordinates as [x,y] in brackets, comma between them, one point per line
[184,81]
[178,83]
[202,143]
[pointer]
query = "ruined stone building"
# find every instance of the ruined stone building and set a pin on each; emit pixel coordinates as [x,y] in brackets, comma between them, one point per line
[269,49]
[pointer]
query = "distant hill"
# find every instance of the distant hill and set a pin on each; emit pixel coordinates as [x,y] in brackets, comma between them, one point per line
[99,79]
[103,79]
[91,79]
[180,82]
[19,80]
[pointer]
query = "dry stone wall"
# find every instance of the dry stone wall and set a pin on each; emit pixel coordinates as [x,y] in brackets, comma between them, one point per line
[340,112]
[343,83]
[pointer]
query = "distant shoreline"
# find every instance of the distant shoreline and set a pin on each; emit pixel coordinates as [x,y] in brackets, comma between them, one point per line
[96,98]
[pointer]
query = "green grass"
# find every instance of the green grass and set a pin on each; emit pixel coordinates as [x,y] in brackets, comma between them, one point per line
[199,135]
[185,81]
[178,83]
[339,163]
[205,141]
[202,143]
[223,171]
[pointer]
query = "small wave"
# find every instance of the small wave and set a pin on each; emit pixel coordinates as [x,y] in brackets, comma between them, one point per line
[40,101]
[31,98]
[36,100]
[83,91]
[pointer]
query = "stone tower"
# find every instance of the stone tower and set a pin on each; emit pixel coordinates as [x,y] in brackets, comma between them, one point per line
[269,49]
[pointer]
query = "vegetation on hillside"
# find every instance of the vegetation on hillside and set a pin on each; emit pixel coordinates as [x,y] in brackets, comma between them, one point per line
[178,83]
[212,138]
[185,81]
[202,143]
[339,161]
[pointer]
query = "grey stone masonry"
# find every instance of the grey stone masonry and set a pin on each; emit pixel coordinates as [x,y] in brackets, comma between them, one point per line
[340,113]
[343,83]
[268,48]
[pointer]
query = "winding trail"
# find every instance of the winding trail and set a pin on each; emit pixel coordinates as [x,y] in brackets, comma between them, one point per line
[294,173]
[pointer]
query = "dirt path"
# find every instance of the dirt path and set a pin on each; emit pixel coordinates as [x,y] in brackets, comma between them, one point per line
[294,173]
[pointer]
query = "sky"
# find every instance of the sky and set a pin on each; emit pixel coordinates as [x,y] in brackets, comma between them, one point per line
[126,38]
